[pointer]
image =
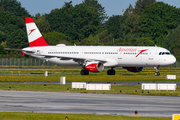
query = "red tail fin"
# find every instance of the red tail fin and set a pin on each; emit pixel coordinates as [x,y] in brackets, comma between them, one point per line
[34,36]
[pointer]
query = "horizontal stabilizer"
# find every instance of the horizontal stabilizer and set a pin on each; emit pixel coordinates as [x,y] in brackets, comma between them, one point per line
[19,50]
[13,49]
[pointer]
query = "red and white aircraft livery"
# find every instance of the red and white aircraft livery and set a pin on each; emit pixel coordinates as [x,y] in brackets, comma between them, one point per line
[95,58]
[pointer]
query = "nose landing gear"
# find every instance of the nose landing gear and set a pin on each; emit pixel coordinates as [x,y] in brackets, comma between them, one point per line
[157,73]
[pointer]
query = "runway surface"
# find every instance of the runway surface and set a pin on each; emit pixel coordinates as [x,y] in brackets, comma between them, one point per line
[66,102]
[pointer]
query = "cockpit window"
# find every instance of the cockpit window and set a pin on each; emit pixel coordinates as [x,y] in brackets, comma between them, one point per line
[168,53]
[164,53]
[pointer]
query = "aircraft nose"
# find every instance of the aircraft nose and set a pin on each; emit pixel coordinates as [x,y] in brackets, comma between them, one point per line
[172,60]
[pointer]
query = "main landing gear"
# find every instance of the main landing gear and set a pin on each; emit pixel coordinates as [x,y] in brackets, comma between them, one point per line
[84,72]
[111,71]
[157,73]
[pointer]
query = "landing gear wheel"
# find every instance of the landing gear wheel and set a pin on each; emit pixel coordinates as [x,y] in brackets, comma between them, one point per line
[111,72]
[87,72]
[84,72]
[157,73]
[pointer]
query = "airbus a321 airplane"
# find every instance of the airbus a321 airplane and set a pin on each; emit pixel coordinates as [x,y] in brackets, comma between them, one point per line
[95,58]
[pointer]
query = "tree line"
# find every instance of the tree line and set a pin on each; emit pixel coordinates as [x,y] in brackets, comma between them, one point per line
[148,23]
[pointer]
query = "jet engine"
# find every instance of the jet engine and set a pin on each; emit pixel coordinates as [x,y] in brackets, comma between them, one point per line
[134,69]
[94,66]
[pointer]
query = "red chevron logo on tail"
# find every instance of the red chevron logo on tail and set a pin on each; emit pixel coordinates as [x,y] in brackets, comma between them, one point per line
[31,31]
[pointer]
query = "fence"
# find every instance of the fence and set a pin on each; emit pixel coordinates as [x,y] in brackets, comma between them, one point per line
[23,62]
[38,62]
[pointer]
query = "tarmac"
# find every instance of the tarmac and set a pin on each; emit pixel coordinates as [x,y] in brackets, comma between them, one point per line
[83,103]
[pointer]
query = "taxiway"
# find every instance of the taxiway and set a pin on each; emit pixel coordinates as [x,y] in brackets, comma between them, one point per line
[81,103]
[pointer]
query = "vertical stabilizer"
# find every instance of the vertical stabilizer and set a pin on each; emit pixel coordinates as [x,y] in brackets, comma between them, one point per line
[34,36]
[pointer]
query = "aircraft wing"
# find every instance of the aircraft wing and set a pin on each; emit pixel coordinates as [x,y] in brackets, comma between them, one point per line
[76,59]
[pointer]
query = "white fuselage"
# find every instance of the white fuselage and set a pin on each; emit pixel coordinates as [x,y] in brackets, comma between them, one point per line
[115,56]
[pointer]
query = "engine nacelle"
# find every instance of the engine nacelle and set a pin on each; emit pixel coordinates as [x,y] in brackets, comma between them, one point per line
[94,66]
[134,69]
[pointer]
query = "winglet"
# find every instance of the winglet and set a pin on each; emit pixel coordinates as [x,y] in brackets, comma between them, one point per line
[34,36]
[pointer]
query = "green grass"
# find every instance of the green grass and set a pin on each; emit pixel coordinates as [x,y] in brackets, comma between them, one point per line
[73,75]
[80,78]
[115,89]
[59,116]
[56,71]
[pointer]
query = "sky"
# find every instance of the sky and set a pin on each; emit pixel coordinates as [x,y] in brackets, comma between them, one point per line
[112,7]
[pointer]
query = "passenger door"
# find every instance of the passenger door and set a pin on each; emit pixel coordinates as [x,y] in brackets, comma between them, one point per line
[82,53]
[120,55]
[150,54]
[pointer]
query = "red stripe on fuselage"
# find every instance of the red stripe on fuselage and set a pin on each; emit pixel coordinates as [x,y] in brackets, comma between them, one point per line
[29,20]
[38,42]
